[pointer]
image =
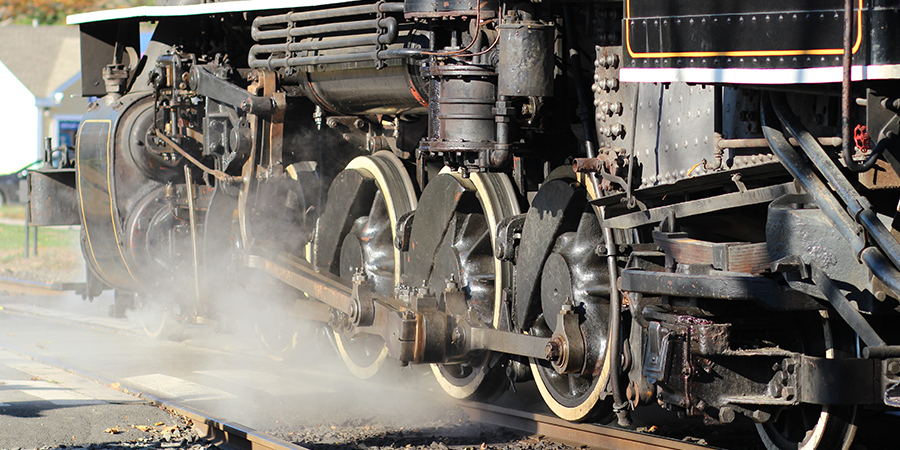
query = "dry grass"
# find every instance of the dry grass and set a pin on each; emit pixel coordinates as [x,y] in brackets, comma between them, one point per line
[51,265]
[16,211]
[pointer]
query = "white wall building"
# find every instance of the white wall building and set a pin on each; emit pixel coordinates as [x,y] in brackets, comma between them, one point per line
[40,91]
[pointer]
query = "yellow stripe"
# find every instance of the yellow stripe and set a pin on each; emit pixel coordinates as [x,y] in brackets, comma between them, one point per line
[81,195]
[742,53]
[112,202]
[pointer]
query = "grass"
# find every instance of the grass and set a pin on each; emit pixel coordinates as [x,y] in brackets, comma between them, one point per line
[12,237]
[59,254]
[12,212]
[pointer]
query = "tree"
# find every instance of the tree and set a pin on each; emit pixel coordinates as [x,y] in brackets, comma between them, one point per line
[54,12]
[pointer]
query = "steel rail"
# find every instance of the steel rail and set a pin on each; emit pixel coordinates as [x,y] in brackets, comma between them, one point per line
[55,286]
[596,436]
[212,429]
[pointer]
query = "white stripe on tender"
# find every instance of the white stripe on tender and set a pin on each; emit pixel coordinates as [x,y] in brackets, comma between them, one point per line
[754,76]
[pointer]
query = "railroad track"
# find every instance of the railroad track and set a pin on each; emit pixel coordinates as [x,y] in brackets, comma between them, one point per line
[594,436]
[26,287]
[232,435]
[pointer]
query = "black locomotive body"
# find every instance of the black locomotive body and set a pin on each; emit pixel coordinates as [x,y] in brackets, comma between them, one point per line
[689,203]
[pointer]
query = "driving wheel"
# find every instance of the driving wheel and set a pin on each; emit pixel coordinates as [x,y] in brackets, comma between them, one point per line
[572,276]
[453,240]
[356,235]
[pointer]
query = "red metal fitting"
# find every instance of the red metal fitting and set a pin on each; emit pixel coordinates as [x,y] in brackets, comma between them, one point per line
[861,138]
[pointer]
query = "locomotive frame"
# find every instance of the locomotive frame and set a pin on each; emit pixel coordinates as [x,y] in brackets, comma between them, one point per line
[631,202]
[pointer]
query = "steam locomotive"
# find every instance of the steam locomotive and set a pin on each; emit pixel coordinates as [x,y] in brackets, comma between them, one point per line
[689,203]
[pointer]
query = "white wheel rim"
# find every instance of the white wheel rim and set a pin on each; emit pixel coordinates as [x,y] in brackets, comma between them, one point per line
[584,409]
[357,370]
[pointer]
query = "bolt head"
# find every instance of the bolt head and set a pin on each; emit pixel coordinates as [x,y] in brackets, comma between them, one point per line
[893,367]
[726,414]
[760,416]
[787,392]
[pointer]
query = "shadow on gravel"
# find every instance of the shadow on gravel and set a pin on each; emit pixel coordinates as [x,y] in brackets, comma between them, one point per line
[31,408]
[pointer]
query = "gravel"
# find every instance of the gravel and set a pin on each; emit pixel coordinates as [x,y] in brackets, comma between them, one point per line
[461,435]
[384,420]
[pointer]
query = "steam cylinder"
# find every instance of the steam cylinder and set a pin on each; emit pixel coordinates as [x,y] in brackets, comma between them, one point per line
[395,89]
[362,88]
[118,179]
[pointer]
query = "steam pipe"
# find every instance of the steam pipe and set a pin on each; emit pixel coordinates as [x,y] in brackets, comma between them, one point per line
[387,30]
[326,44]
[327,14]
[315,30]
[812,184]
[375,55]
[811,147]
[620,406]
[882,268]
[846,60]
[722,144]
[857,205]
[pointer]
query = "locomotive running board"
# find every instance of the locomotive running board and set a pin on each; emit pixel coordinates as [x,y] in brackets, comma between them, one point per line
[699,206]
[414,331]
